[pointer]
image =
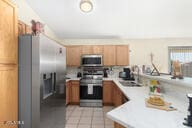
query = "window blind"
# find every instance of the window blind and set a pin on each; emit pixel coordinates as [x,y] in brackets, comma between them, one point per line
[184,56]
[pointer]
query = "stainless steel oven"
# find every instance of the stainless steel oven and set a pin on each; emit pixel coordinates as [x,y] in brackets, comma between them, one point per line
[91,89]
[91,60]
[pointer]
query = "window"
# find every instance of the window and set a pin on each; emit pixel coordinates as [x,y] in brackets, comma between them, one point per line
[184,56]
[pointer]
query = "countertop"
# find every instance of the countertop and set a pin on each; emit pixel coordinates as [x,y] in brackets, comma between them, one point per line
[167,78]
[134,113]
[73,78]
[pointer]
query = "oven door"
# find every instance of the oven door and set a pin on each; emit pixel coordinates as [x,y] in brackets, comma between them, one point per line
[91,92]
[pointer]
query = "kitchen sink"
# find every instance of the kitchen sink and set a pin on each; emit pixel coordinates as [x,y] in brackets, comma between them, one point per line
[130,84]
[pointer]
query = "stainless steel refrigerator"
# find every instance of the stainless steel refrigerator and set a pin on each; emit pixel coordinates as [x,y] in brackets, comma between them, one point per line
[42,69]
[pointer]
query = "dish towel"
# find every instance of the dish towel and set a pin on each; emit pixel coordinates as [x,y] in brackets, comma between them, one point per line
[90,89]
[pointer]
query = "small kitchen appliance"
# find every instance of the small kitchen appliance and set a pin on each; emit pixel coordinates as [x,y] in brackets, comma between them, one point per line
[188,120]
[79,74]
[105,74]
[126,74]
[91,60]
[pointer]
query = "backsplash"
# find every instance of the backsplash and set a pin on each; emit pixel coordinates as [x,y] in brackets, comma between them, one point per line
[72,71]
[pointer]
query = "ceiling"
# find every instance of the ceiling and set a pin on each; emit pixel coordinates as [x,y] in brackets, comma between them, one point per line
[117,18]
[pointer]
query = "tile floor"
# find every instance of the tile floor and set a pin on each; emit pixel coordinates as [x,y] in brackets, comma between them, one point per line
[86,117]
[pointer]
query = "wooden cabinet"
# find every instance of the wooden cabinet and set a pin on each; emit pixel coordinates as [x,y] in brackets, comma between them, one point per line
[8,62]
[9,93]
[92,49]
[107,93]
[87,49]
[122,55]
[8,33]
[74,55]
[97,49]
[72,92]
[109,55]
[112,54]
[75,92]
[116,125]
[68,92]
[117,96]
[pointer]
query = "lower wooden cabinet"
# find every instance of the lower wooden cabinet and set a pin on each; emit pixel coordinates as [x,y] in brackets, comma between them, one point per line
[72,92]
[75,92]
[116,125]
[68,92]
[117,96]
[107,93]
[8,93]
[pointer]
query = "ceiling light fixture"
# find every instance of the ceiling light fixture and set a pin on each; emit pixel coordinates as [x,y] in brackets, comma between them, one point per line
[86,6]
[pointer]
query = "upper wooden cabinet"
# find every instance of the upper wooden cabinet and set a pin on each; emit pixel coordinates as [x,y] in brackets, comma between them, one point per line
[122,55]
[92,49]
[74,55]
[113,55]
[8,33]
[98,49]
[109,55]
[87,49]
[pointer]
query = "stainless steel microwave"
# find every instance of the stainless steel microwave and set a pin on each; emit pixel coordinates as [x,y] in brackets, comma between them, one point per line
[91,60]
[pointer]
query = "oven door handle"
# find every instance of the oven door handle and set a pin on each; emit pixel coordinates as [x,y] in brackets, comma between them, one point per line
[92,84]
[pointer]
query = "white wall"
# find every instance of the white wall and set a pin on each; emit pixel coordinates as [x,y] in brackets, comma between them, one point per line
[140,48]
[26,14]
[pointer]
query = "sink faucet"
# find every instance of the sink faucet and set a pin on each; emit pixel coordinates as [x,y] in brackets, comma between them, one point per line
[138,72]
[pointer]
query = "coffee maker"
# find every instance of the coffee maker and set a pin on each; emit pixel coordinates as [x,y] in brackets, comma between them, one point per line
[126,74]
[188,120]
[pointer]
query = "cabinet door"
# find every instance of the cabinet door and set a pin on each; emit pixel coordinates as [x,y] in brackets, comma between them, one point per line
[68,93]
[107,93]
[122,55]
[8,93]
[74,55]
[87,49]
[75,92]
[119,98]
[109,54]
[116,125]
[8,33]
[98,49]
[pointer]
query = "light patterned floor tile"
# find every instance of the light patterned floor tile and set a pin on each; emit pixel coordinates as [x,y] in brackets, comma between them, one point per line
[85,120]
[73,120]
[88,117]
[109,126]
[99,121]
[97,126]
[84,126]
[70,126]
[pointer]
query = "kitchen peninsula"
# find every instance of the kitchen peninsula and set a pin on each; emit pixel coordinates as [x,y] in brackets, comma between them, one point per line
[135,114]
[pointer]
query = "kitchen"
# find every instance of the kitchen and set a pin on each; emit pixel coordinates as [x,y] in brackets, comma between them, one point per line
[108,57]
